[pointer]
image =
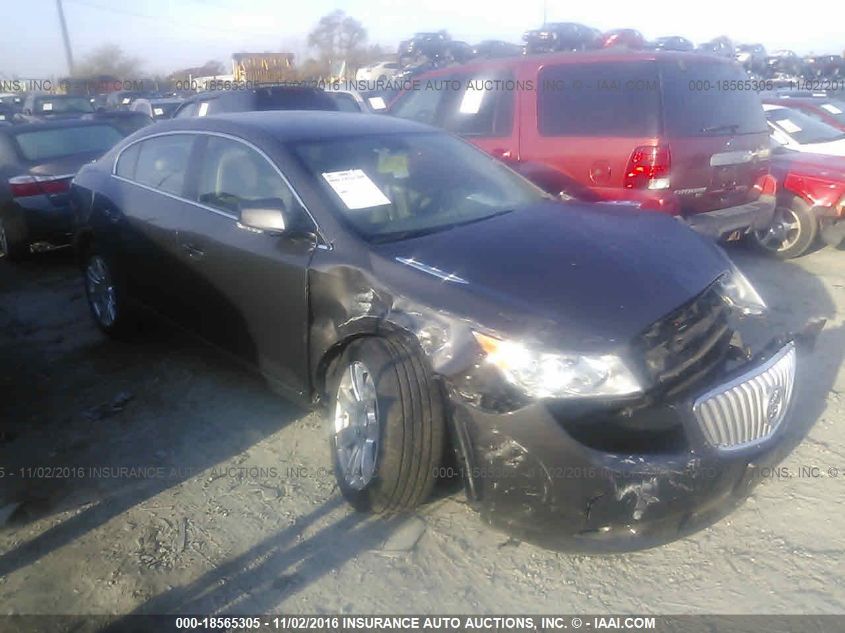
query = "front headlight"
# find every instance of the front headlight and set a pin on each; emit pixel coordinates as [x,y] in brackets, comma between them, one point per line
[738,293]
[550,375]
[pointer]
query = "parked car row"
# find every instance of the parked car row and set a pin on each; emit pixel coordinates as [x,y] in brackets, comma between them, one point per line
[432,50]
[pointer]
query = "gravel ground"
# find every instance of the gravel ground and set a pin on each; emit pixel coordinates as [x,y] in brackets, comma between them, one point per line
[224,503]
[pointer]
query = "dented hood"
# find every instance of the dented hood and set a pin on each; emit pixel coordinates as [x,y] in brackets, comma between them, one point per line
[574,274]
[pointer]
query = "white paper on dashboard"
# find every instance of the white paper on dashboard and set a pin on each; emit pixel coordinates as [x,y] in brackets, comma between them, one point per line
[355,189]
[831,108]
[471,103]
[46,107]
[203,109]
[158,111]
[126,100]
[788,126]
[377,103]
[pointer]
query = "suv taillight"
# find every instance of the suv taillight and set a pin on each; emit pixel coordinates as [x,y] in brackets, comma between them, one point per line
[648,168]
[767,185]
[24,186]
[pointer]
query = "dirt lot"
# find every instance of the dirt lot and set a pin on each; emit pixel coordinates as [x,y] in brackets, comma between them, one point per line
[224,504]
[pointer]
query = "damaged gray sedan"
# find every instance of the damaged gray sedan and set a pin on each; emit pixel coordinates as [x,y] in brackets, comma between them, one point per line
[578,365]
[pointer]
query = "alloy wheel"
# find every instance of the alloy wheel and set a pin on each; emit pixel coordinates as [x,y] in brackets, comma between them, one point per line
[101,293]
[783,233]
[356,426]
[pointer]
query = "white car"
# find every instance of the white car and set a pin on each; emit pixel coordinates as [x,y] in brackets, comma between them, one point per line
[380,71]
[792,129]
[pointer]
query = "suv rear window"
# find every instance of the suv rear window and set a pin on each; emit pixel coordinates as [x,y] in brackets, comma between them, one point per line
[707,98]
[601,99]
[41,145]
[293,99]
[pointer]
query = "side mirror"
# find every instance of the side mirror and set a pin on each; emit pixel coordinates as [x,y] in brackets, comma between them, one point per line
[267,216]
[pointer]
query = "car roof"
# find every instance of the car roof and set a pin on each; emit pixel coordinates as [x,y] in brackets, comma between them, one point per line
[54,124]
[296,125]
[615,55]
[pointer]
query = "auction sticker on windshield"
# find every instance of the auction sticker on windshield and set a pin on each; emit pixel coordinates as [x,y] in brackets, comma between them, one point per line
[355,189]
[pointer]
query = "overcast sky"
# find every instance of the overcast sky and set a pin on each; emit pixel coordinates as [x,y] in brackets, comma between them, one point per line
[171,34]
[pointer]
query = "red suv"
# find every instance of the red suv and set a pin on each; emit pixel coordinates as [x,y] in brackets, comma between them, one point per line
[680,133]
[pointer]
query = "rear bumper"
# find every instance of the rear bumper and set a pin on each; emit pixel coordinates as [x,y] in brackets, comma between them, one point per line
[42,220]
[753,216]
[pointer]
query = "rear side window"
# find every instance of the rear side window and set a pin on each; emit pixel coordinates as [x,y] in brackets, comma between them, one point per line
[43,145]
[418,105]
[704,99]
[621,99]
[163,162]
[127,161]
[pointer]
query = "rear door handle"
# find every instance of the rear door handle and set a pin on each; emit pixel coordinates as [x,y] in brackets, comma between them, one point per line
[192,251]
[501,153]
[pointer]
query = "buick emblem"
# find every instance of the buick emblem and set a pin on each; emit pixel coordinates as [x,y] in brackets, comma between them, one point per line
[775,404]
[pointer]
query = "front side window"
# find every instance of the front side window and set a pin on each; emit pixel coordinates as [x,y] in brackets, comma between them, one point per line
[397,186]
[232,173]
[163,162]
[419,105]
[483,106]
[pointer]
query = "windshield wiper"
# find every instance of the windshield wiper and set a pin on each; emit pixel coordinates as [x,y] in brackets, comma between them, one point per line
[714,129]
[410,233]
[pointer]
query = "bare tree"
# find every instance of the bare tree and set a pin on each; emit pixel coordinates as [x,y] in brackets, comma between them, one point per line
[338,38]
[108,60]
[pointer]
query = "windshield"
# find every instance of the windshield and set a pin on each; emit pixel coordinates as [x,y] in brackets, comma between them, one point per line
[404,185]
[61,105]
[41,145]
[164,109]
[803,129]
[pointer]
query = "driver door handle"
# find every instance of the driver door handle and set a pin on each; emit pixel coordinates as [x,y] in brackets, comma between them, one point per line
[192,251]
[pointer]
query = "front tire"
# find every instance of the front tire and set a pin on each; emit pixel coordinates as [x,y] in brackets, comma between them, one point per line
[106,297]
[387,422]
[793,230]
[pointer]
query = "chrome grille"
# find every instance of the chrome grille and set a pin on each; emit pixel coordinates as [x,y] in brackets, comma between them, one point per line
[688,342]
[750,408]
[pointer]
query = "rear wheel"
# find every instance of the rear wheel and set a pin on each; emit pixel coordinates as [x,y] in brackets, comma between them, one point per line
[793,230]
[387,423]
[12,246]
[106,298]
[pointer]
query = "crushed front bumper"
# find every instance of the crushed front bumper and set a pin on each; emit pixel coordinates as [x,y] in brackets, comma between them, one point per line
[753,216]
[530,475]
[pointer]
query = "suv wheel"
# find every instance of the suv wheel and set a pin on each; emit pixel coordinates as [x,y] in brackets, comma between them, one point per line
[105,296]
[792,232]
[387,423]
[12,247]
